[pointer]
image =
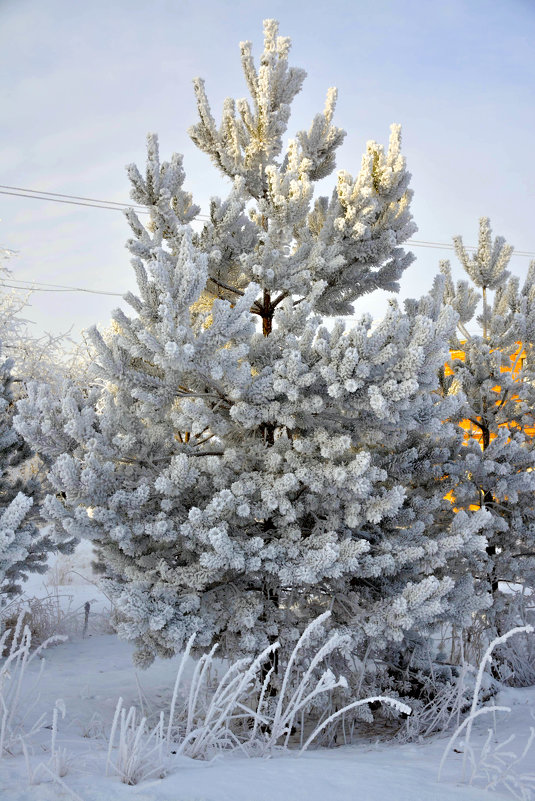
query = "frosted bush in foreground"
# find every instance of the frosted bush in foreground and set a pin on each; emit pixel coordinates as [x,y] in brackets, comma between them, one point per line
[16,707]
[494,764]
[18,724]
[516,657]
[449,701]
[235,716]
[139,753]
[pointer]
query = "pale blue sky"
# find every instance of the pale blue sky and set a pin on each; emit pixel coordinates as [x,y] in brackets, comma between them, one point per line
[81,83]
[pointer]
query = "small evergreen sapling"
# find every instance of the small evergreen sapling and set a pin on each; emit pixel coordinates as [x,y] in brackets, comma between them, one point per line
[496,376]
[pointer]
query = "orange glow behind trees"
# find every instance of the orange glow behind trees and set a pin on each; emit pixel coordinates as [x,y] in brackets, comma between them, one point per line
[473,431]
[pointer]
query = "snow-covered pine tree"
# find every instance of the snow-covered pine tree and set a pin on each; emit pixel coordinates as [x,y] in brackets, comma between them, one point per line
[244,467]
[495,370]
[23,548]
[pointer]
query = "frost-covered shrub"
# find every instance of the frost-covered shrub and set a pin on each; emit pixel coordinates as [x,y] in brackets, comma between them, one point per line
[139,753]
[237,714]
[18,722]
[494,764]
[57,612]
[516,657]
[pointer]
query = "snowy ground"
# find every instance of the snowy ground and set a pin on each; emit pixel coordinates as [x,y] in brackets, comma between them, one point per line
[90,673]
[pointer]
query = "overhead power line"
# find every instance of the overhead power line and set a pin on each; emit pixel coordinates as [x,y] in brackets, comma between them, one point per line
[77,200]
[114,205]
[72,197]
[92,204]
[39,286]
[450,246]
